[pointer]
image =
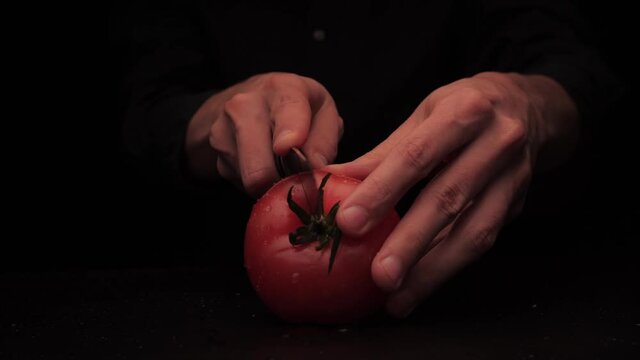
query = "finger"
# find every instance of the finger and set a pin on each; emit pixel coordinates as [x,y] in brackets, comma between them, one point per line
[472,235]
[252,129]
[438,204]
[365,164]
[291,113]
[450,126]
[321,146]
[357,169]
[223,141]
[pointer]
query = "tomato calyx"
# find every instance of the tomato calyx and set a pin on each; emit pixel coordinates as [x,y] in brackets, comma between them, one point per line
[317,226]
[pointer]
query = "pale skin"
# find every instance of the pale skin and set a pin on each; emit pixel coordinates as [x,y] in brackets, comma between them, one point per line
[484,135]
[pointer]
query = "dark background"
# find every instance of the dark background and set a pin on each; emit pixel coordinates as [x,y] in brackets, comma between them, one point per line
[92,238]
[81,202]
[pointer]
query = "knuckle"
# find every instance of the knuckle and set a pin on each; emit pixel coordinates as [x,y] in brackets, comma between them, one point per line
[311,80]
[326,148]
[286,101]
[313,83]
[340,126]
[514,136]
[237,103]
[450,201]
[216,139]
[277,79]
[330,103]
[473,104]
[415,154]
[380,189]
[255,180]
[482,241]
[332,117]
[417,240]
[329,154]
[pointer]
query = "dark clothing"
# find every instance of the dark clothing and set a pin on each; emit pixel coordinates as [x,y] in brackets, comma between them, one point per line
[378,59]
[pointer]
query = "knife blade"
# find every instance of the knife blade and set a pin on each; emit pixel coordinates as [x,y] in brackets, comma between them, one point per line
[295,162]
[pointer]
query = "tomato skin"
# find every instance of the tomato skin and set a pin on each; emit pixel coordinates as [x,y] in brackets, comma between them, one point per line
[293,280]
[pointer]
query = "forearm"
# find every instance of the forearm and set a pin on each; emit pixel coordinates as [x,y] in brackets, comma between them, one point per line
[548,109]
[170,77]
[547,44]
[154,132]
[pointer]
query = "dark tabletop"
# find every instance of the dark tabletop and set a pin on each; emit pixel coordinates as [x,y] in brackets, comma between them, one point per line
[576,306]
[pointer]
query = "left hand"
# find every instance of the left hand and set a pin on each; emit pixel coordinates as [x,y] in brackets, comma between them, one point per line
[485,133]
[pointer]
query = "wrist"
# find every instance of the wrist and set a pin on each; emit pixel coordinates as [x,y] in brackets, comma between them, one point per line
[556,119]
[549,111]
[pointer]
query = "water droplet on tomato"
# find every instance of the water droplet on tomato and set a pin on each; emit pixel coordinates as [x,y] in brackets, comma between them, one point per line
[267,208]
[295,277]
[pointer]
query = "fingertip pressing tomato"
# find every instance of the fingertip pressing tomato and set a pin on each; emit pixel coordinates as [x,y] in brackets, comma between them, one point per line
[298,261]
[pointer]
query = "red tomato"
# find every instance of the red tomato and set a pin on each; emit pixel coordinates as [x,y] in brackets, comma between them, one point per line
[295,281]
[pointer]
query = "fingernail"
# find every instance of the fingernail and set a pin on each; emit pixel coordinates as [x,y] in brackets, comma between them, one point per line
[354,218]
[284,136]
[393,267]
[401,305]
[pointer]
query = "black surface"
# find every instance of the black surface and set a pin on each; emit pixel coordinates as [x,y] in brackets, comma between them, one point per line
[513,304]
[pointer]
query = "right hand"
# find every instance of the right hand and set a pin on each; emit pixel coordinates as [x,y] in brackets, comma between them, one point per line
[236,132]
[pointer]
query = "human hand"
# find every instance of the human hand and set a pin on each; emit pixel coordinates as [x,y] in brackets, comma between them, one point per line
[236,132]
[481,136]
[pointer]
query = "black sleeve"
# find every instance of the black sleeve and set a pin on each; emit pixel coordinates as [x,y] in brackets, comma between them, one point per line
[172,74]
[545,37]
